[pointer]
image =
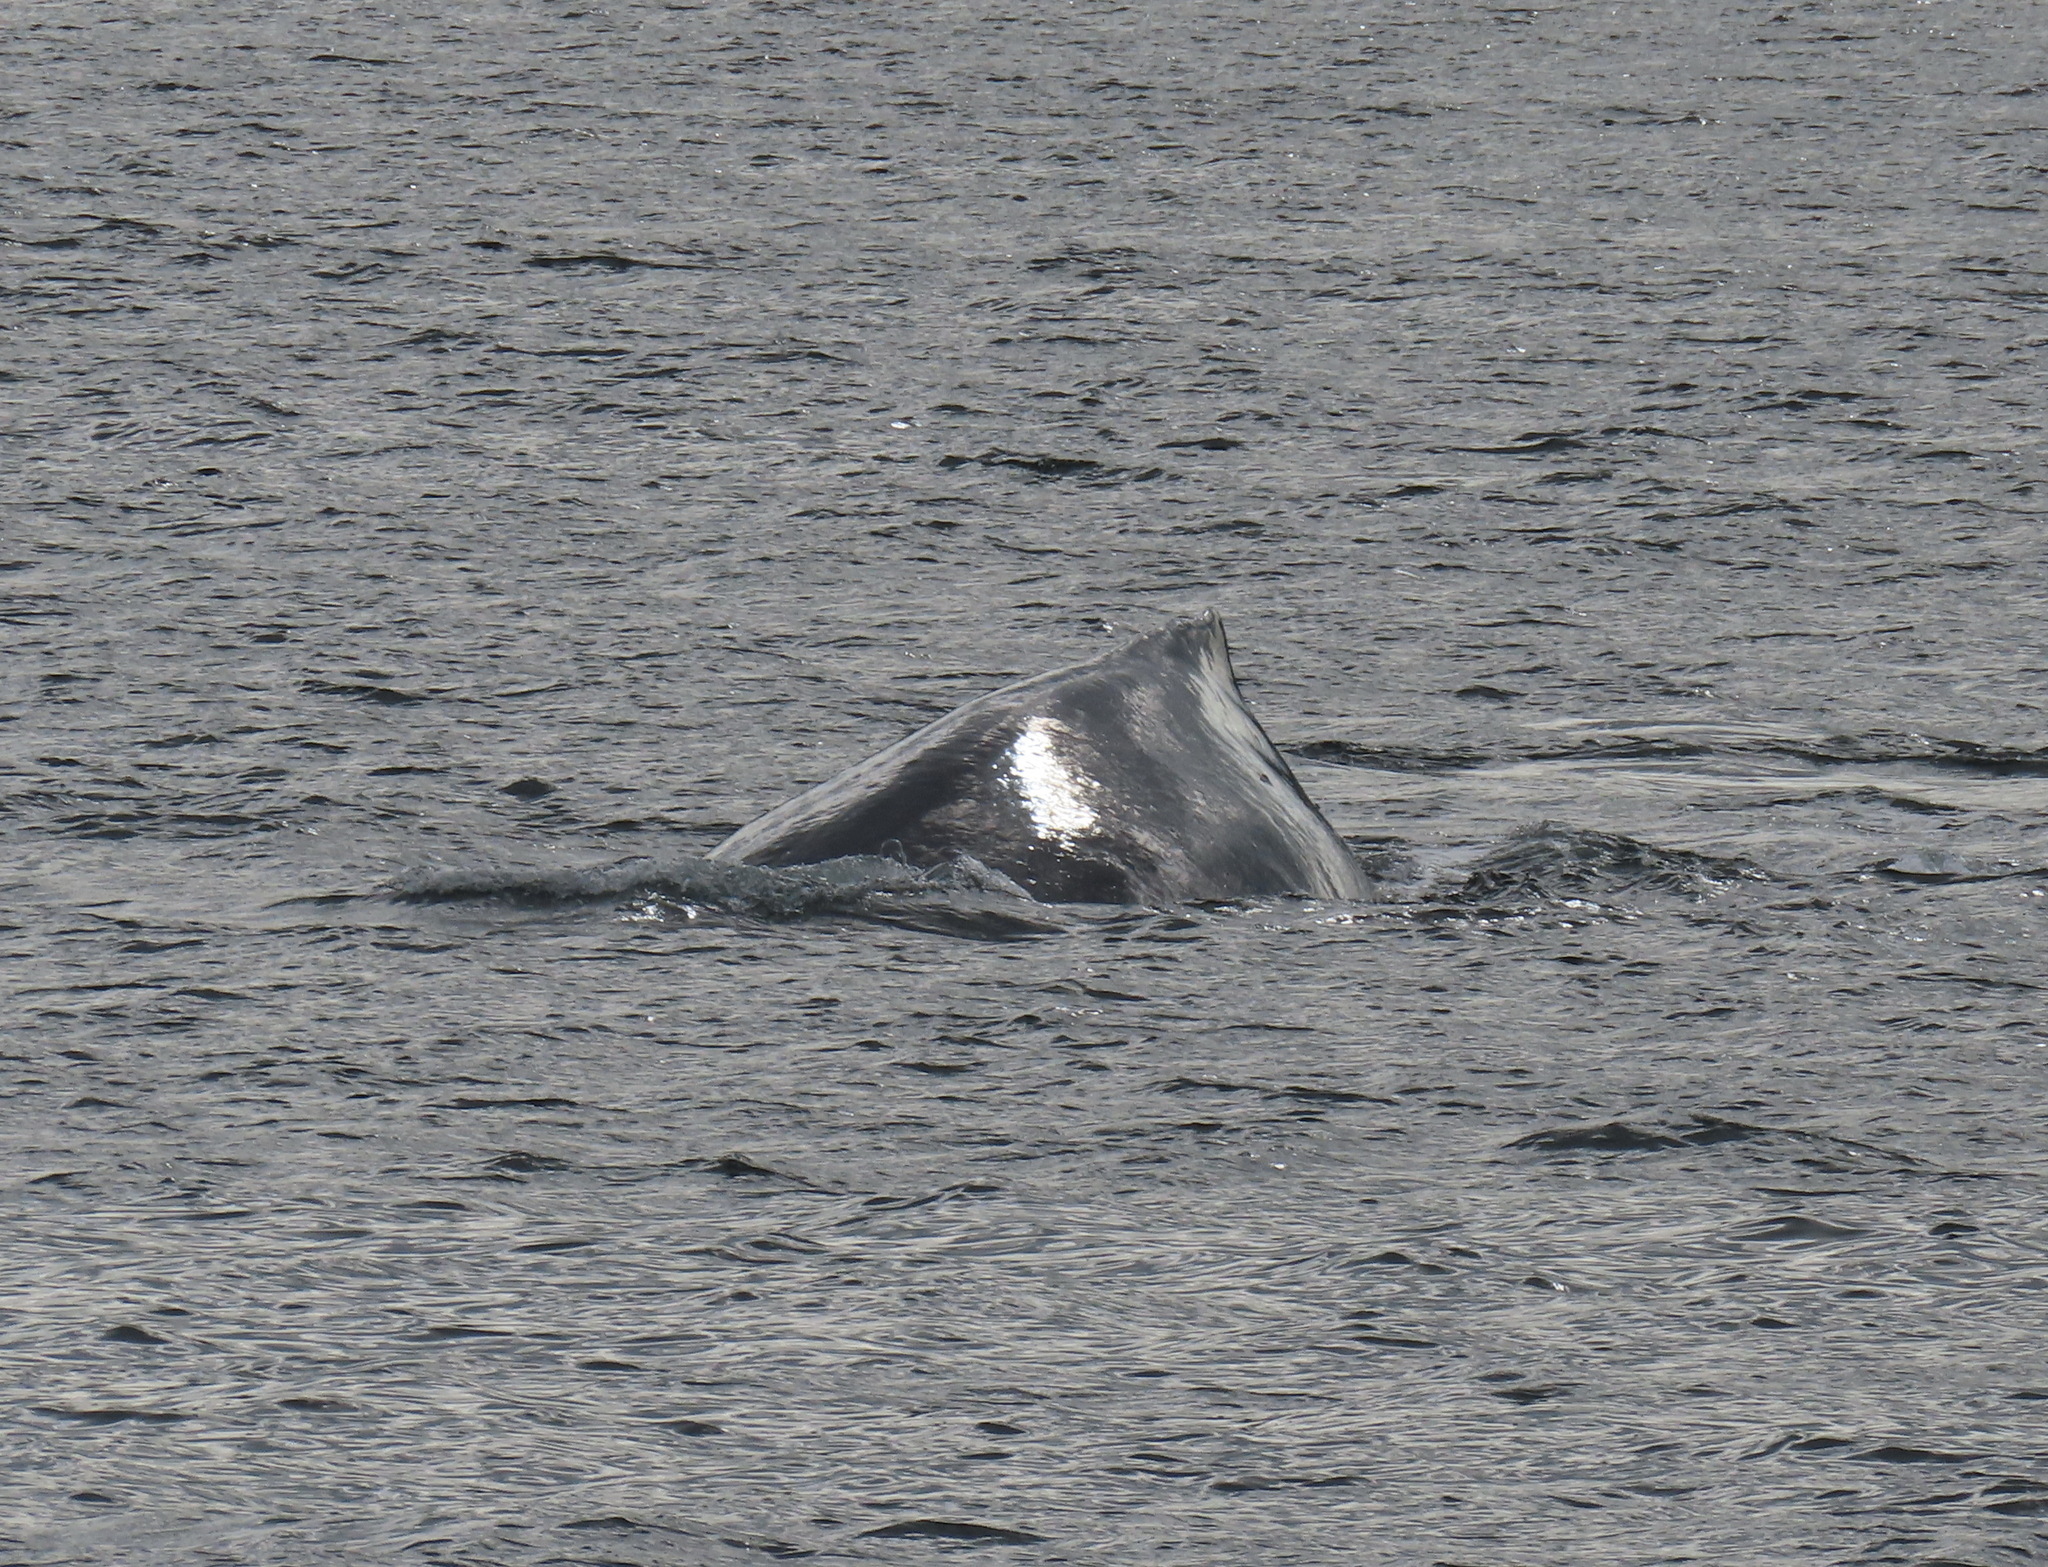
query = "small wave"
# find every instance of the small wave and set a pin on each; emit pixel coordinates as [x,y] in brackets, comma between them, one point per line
[1828,1152]
[1551,861]
[1881,749]
[1933,866]
[1388,759]
[1689,742]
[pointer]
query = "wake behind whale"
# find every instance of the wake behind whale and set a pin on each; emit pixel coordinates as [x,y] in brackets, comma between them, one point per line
[1136,777]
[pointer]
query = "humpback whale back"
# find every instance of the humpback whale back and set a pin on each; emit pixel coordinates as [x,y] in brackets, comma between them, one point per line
[1137,777]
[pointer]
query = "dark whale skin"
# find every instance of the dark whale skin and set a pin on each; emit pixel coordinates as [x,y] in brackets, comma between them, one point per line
[1139,777]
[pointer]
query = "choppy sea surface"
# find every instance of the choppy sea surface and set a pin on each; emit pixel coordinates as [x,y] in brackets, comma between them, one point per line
[458,462]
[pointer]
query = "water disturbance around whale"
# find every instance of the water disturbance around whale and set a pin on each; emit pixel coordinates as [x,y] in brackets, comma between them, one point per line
[1136,777]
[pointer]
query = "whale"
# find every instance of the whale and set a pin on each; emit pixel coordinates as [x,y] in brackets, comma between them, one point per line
[1138,777]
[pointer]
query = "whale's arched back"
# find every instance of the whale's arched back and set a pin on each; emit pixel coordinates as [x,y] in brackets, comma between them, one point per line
[1137,777]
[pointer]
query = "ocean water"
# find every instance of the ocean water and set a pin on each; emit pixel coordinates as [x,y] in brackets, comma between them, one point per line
[457,463]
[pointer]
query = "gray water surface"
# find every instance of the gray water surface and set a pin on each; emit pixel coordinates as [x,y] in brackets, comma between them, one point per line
[458,463]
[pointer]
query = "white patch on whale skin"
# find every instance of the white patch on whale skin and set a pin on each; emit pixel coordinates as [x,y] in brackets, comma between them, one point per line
[1056,797]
